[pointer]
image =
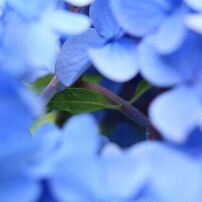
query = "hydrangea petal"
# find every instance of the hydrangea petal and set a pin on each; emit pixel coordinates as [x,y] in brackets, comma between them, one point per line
[35,8]
[73,59]
[155,70]
[88,137]
[174,22]
[22,189]
[139,17]
[120,166]
[195,4]
[21,104]
[66,22]
[194,22]
[103,20]
[180,171]
[117,61]
[73,181]
[79,2]
[176,113]
[43,44]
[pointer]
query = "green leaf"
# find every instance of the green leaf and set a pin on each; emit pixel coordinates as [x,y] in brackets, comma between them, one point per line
[142,87]
[79,100]
[40,83]
[92,78]
[47,118]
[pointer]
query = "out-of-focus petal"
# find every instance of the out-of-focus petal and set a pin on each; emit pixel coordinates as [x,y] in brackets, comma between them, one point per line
[195,4]
[176,113]
[66,22]
[154,69]
[103,20]
[79,2]
[139,17]
[117,61]
[22,189]
[194,22]
[174,22]
[180,171]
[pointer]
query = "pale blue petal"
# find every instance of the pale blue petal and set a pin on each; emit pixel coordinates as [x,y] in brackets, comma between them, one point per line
[66,22]
[103,20]
[22,106]
[173,22]
[79,2]
[45,150]
[33,46]
[139,17]
[176,113]
[35,8]
[81,135]
[121,166]
[156,70]
[19,189]
[73,59]
[195,4]
[169,170]
[194,22]
[42,46]
[117,60]
[77,179]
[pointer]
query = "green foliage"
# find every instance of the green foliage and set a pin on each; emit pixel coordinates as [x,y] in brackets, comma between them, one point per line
[79,100]
[41,83]
[142,87]
[47,118]
[92,78]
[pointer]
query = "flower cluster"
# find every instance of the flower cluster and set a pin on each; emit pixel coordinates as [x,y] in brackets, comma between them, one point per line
[160,40]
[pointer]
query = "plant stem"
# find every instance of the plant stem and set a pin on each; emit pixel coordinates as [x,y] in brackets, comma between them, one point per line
[53,87]
[125,107]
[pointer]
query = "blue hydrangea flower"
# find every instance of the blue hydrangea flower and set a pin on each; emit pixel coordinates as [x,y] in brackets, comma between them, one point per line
[102,46]
[18,107]
[195,4]
[84,174]
[38,27]
[193,22]
[176,112]
[79,2]
[168,169]
[154,20]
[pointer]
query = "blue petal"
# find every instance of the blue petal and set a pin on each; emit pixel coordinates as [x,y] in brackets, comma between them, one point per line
[103,20]
[195,4]
[139,17]
[79,2]
[41,41]
[18,107]
[81,135]
[155,70]
[173,22]
[77,179]
[66,22]
[169,170]
[121,166]
[73,59]
[176,113]
[194,22]
[35,8]
[177,67]
[117,60]
[19,189]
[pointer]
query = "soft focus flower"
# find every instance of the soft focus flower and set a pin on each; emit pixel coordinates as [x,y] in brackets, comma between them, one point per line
[102,46]
[177,112]
[38,28]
